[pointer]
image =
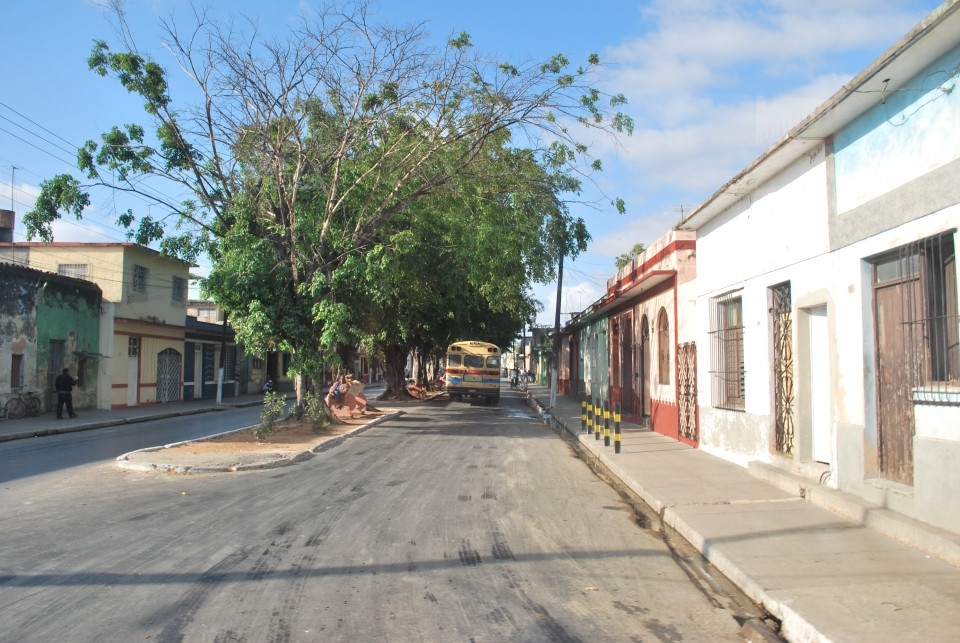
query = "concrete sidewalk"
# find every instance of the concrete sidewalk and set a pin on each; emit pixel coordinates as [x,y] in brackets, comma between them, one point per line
[827,565]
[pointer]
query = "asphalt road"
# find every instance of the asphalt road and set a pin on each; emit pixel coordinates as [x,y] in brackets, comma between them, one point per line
[57,455]
[452,522]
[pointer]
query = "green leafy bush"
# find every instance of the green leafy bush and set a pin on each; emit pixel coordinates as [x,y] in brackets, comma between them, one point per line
[274,405]
[313,412]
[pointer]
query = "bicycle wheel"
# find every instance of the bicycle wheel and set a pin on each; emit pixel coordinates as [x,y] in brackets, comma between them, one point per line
[33,405]
[16,408]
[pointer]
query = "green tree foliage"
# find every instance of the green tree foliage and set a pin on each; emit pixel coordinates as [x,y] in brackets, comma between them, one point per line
[627,257]
[300,152]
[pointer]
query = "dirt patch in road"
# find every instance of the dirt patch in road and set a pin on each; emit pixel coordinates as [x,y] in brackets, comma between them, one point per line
[290,435]
[242,450]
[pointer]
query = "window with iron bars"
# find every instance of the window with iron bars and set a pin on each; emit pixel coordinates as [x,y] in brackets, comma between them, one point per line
[726,352]
[75,270]
[929,314]
[139,285]
[179,290]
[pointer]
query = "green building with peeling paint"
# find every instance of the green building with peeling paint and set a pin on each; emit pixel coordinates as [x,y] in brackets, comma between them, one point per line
[48,322]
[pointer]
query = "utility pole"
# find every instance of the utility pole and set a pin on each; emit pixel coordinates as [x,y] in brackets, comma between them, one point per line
[13,177]
[223,360]
[554,378]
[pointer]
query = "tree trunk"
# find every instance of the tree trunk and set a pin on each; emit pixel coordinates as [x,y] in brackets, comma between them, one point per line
[422,378]
[395,386]
[300,385]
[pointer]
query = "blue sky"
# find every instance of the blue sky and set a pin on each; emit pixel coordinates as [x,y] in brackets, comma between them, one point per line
[710,86]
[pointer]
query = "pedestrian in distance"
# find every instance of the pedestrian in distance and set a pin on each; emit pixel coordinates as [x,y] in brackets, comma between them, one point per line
[64,384]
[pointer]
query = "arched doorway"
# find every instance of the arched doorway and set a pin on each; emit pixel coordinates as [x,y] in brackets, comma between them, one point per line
[168,376]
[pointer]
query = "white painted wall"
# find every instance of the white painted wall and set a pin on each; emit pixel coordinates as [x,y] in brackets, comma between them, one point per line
[894,171]
[778,233]
[912,132]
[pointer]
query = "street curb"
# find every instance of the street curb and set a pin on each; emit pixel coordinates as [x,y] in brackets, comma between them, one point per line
[102,424]
[124,463]
[789,620]
[58,431]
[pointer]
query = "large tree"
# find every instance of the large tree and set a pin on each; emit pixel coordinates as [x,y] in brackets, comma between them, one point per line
[458,264]
[302,148]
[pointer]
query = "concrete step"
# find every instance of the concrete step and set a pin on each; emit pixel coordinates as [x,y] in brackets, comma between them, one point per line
[935,542]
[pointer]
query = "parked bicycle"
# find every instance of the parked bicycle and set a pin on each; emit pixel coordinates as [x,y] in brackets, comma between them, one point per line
[21,405]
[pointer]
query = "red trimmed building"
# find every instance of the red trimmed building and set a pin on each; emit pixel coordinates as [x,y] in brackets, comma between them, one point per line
[635,345]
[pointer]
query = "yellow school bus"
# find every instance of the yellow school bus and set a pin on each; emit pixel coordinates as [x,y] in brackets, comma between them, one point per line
[473,368]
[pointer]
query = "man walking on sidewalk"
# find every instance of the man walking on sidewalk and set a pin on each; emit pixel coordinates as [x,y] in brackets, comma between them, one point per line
[65,384]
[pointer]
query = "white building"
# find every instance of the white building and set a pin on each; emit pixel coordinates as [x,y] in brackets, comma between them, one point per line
[827,292]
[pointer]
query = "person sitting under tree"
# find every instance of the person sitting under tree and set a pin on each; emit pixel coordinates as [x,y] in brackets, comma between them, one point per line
[337,392]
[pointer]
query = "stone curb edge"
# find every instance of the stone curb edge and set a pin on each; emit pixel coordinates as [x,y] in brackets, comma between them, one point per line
[124,462]
[789,619]
[102,424]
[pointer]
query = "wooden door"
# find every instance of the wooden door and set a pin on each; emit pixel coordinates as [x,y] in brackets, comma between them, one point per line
[643,368]
[895,425]
[628,401]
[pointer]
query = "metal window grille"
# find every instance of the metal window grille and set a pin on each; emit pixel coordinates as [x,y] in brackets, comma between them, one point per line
[726,352]
[663,346]
[179,289]
[133,346]
[139,286]
[75,270]
[929,314]
[687,390]
[209,365]
[781,324]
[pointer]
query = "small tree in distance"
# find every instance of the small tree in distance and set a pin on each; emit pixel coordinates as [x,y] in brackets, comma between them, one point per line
[627,257]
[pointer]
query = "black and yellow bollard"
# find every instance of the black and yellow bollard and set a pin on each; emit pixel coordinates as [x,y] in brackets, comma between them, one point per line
[598,416]
[589,415]
[583,415]
[616,427]
[606,425]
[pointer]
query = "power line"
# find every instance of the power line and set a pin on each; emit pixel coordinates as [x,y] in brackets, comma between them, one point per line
[36,147]
[15,124]
[27,118]
[148,196]
[123,282]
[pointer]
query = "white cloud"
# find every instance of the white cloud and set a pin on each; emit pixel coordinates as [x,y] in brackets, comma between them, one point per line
[585,279]
[779,35]
[641,229]
[710,86]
